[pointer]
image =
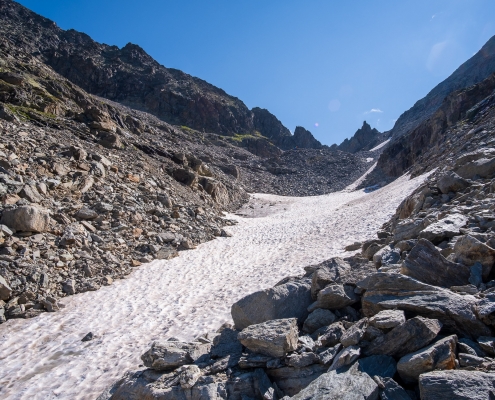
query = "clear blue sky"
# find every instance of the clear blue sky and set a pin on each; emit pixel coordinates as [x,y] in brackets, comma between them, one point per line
[325,65]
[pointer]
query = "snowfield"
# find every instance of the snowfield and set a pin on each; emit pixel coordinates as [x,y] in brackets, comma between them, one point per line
[44,358]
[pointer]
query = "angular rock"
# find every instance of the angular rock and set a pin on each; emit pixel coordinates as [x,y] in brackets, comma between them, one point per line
[381,365]
[456,312]
[485,310]
[331,271]
[408,229]
[446,228]
[355,333]
[437,356]
[487,343]
[189,375]
[425,263]
[273,338]
[86,213]
[289,300]
[352,384]
[391,390]
[26,219]
[335,296]
[30,193]
[330,335]
[469,250]
[226,343]
[451,182]
[386,256]
[317,319]
[457,385]
[169,355]
[345,357]
[484,167]
[292,380]
[388,319]
[69,286]
[5,290]
[412,335]
[302,360]
[328,355]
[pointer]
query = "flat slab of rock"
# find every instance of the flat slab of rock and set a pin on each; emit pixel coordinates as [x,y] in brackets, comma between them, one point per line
[446,228]
[457,385]
[26,219]
[290,300]
[410,336]
[388,291]
[387,319]
[335,296]
[426,264]
[273,338]
[437,356]
[333,385]
[169,355]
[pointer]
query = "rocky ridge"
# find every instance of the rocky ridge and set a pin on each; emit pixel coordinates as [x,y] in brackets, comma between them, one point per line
[364,139]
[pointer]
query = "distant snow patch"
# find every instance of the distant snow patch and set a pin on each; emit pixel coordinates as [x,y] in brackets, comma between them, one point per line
[380,145]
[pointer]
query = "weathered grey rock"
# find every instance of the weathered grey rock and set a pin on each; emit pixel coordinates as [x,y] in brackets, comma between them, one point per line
[5,290]
[86,213]
[302,360]
[26,219]
[457,385]
[487,343]
[166,252]
[334,297]
[437,356]
[274,338]
[451,182]
[386,256]
[445,228]
[381,365]
[391,390]
[471,347]
[426,264]
[396,291]
[387,319]
[345,357]
[30,193]
[408,229]
[331,271]
[189,375]
[484,167]
[355,333]
[327,356]
[226,343]
[290,300]
[292,380]
[469,250]
[69,286]
[469,360]
[410,336]
[317,319]
[485,309]
[349,385]
[330,335]
[169,355]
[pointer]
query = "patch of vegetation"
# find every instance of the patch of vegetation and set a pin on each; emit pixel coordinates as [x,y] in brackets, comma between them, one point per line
[238,137]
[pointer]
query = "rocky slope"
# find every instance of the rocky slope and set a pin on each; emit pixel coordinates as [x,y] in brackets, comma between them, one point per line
[473,71]
[133,78]
[364,139]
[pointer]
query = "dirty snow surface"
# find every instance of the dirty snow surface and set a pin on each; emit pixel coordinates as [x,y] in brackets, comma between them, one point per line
[44,358]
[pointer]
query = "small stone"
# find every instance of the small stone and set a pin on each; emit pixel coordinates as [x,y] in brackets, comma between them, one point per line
[89,336]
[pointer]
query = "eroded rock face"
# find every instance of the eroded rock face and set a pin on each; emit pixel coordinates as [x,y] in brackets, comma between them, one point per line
[273,338]
[289,300]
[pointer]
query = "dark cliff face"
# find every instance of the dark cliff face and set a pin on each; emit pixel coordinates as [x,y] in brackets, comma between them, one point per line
[305,139]
[473,71]
[365,138]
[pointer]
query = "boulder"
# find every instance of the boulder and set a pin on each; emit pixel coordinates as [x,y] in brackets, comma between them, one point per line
[388,291]
[437,356]
[388,319]
[381,365]
[469,250]
[408,229]
[5,290]
[292,380]
[345,357]
[330,271]
[487,343]
[302,360]
[290,300]
[86,213]
[317,319]
[335,296]
[451,182]
[189,375]
[485,310]
[484,167]
[391,390]
[27,219]
[410,336]
[169,355]
[386,256]
[273,338]
[426,264]
[355,333]
[350,384]
[457,385]
[445,228]
[329,335]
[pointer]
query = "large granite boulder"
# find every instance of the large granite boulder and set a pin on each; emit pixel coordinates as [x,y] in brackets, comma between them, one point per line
[273,338]
[425,263]
[389,291]
[26,219]
[457,385]
[290,300]
[163,356]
